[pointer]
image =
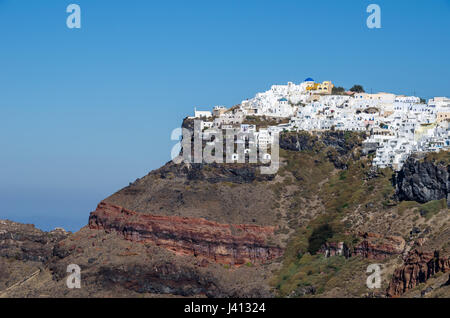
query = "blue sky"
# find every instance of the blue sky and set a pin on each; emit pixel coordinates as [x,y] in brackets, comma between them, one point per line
[85,112]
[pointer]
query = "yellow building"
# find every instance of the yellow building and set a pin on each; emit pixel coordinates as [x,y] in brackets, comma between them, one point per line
[320,88]
[443,116]
[311,86]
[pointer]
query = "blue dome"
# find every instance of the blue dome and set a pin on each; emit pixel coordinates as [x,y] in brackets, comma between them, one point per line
[309,79]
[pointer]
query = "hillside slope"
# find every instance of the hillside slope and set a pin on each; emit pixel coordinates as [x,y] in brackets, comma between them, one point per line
[225,230]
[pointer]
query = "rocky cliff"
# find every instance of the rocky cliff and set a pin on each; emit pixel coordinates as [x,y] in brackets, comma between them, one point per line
[222,243]
[423,180]
[24,252]
[376,246]
[24,242]
[228,193]
[419,266]
[339,146]
[372,246]
[177,230]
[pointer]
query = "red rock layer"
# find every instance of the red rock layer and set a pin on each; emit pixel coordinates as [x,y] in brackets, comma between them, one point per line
[222,243]
[419,266]
[379,247]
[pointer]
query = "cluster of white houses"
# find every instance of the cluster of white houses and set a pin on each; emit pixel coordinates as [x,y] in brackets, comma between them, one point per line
[397,125]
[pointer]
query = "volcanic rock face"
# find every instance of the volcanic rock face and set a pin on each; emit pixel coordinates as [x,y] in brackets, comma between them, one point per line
[171,231]
[222,243]
[375,246]
[339,140]
[239,174]
[418,268]
[298,142]
[228,193]
[115,267]
[26,243]
[423,181]
[337,144]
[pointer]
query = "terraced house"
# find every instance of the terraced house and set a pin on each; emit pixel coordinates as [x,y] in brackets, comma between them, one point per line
[397,125]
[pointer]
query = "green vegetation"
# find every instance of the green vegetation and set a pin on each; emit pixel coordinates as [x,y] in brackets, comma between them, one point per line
[431,208]
[322,273]
[349,189]
[319,237]
[426,210]
[340,192]
[308,173]
[406,205]
[357,89]
[338,90]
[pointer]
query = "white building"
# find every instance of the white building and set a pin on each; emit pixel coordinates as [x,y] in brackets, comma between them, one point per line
[398,125]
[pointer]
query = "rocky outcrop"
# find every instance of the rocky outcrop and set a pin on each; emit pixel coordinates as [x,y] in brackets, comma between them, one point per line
[224,193]
[339,146]
[215,173]
[375,246]
[26,243]
[168,278]
[221,243]
[418,267]
[372,246]
[302,141]
[422,181]
[342,142]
